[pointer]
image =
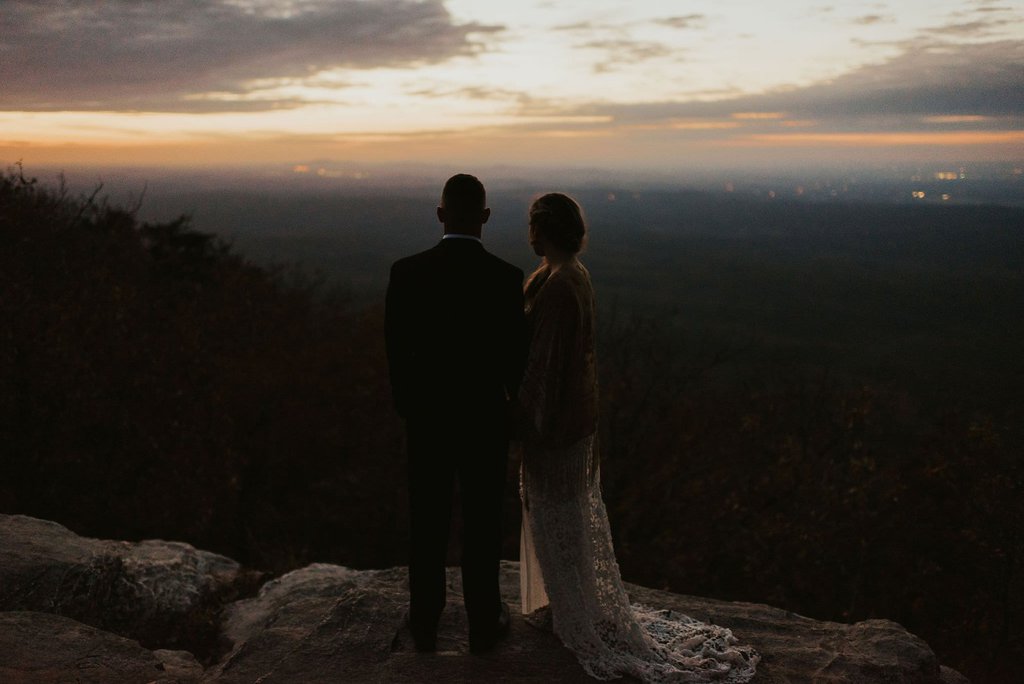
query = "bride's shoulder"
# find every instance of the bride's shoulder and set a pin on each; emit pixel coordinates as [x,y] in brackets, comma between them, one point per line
[581,273]
[575,276]
[566,286]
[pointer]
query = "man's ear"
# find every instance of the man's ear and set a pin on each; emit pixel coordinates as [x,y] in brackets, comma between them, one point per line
[440,214]
[486,214]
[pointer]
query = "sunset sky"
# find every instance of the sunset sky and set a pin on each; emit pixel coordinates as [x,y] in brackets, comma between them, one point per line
[641,84]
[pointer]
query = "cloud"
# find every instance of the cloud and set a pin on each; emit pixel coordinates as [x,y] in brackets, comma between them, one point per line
[870,19]
[683,22]
[579,26]
[617,45]
[969,28]
[519,101]
[152,56]
[929,80]
[625,51]
[982,20]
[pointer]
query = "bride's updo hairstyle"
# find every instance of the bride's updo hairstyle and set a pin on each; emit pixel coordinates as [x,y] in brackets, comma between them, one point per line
[559,219]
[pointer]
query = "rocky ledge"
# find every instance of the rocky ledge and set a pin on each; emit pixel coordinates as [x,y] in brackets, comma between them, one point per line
[86,610]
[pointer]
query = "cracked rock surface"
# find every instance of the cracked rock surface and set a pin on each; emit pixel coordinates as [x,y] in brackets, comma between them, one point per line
[63,597]
[156,592]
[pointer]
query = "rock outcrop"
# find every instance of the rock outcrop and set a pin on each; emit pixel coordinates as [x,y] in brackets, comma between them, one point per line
[40,647]
[326,623]
[156,592]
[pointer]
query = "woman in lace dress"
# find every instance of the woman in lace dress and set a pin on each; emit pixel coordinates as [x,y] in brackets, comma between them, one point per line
[570,578]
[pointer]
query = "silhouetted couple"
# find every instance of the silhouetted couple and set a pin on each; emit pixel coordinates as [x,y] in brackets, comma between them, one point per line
[477,361]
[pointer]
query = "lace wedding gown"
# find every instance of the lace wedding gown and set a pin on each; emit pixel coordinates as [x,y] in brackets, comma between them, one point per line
[566,555]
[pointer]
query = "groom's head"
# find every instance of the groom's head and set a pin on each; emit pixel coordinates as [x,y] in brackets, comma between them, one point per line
[463,205]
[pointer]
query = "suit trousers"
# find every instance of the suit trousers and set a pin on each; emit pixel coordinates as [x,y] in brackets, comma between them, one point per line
[473,451]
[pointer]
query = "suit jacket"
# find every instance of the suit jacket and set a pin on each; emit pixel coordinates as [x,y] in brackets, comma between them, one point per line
[455,332]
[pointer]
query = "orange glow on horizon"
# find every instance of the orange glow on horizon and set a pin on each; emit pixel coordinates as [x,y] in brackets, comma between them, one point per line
[704,125]
[971,118]
[897,139]
[757,116]
[691,140]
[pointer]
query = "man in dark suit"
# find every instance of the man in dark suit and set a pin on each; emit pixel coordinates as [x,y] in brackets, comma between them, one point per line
[456,344]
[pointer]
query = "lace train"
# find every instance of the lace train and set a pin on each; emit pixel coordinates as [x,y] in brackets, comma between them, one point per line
[567,559]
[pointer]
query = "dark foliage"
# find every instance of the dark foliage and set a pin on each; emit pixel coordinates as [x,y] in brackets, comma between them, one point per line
[836,499]
[154,383]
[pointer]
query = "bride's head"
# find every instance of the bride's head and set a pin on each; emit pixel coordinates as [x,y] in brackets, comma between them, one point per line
[556,225]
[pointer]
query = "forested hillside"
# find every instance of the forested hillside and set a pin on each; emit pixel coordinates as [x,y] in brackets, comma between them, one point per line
[154,383]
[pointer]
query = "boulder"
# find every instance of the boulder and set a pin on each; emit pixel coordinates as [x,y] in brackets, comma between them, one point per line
[163,594]
[40,648]
[327,623]
[795,648]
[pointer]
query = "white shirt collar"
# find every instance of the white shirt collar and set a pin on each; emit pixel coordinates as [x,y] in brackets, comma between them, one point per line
[460,236]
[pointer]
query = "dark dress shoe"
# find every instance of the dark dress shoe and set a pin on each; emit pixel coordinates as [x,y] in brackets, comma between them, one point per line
[483,640]
[424,640]
[425,643]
